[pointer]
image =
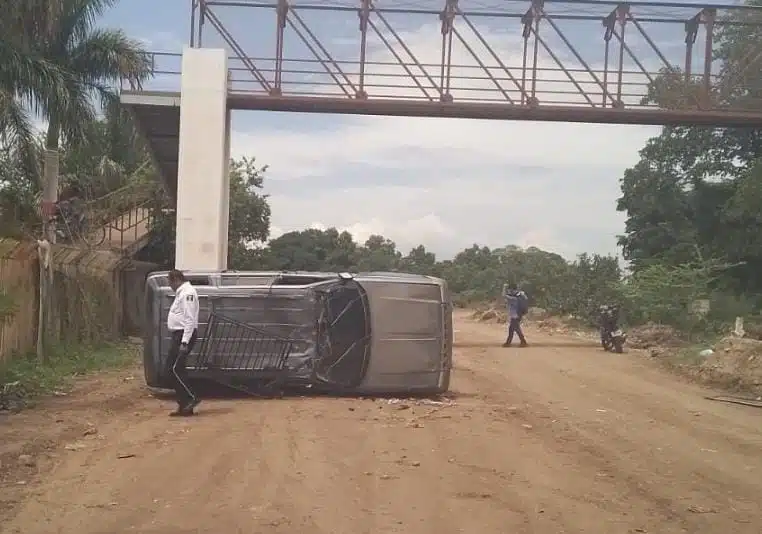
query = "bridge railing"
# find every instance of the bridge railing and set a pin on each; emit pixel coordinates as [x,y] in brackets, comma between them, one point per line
[579,53]
[126,214]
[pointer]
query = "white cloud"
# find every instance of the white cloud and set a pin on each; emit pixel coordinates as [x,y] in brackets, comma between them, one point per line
[162,41]
[449,183]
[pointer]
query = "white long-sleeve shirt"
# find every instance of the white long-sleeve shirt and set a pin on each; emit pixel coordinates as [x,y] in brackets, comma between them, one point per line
[183,314]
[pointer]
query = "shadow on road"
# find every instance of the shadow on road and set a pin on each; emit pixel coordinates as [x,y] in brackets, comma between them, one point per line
[207,389]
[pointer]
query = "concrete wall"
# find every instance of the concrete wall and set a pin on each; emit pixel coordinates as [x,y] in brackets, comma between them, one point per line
[203,185]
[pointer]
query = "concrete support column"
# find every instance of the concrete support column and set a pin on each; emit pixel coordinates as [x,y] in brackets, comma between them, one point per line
[203,182]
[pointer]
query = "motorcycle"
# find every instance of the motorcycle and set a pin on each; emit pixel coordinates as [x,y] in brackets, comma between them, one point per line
[612,337]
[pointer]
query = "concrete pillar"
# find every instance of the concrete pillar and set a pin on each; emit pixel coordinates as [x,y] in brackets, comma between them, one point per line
[226,200]
[203,183]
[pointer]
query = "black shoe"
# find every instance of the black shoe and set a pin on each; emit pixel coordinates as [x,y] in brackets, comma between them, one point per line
[524,344]
[507,344]
[181,412]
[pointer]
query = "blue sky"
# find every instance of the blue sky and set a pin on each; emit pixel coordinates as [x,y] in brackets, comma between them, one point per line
[443,183]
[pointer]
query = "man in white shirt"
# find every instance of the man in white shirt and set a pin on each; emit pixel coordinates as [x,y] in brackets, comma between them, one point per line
[182,322]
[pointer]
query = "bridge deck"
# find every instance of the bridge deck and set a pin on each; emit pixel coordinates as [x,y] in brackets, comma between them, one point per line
[157,115]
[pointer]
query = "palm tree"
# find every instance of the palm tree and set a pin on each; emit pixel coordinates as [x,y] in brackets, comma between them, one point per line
[24,72]
[96,61]
[53,61]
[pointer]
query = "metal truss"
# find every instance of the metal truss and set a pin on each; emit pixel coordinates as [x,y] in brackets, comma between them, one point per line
[567,60]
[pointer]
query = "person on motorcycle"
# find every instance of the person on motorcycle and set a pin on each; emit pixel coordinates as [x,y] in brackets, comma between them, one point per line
[517,304]
[612,338]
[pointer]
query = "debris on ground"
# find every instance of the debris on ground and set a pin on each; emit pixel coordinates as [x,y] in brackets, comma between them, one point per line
[27,460]
[735,363]
[490,315]
[553,325]
[536,314]
[404,404]
[13,396]
[653,335]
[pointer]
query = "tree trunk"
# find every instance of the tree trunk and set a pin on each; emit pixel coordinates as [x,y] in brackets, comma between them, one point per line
[50,197]
[50,173]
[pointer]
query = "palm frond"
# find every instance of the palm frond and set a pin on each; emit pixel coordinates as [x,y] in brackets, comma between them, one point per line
[17,131]
[75,113]
[76,19]
[24,73]
[109,56]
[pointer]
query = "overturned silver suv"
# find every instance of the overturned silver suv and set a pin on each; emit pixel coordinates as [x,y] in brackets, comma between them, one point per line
[368,333]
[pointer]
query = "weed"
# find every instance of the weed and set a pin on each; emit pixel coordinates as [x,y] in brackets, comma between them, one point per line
[24,378]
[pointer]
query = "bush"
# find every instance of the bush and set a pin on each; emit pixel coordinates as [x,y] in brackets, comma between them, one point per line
[669,295]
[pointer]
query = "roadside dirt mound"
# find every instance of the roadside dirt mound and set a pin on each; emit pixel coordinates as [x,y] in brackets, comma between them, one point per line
[490,315]
[653,335]
[499,316]
[552,325]
[537,314]
[735,364]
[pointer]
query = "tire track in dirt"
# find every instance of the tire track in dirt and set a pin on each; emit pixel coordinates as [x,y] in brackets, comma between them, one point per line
[661,461]
[522,449]
[558,439]
[575,473]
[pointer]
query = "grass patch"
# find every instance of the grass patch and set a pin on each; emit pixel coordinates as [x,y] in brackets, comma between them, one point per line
[25,377]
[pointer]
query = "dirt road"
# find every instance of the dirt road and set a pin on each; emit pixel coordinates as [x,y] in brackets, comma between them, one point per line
[556,438]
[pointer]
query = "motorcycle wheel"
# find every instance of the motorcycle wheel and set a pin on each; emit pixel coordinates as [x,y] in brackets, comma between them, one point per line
[618,345]
[605,343]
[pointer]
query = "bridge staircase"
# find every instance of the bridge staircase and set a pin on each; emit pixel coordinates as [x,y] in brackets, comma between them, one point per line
[122,219]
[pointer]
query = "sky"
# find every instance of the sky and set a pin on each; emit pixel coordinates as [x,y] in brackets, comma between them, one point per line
[445,183]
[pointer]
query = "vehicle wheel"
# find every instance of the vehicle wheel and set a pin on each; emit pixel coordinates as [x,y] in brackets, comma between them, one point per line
[155,379]
[606,344]
[618,348]
[93,237]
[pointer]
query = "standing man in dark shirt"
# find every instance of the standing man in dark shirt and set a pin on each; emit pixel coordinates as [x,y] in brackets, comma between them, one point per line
[182,322]
[516,303]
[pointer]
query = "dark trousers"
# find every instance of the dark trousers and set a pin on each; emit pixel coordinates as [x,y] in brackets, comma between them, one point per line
[176,367]
[514,327]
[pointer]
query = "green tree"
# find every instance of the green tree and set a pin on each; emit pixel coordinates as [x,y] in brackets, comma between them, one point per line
[379,254]
[419,261]
[55,64]
[687,199]
[28,79]
[249,221]
[313,250]
[17,192]
[96,61]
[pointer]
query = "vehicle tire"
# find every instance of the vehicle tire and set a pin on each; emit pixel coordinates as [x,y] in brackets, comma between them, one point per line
[154,376]
[618,346]
[93,237]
